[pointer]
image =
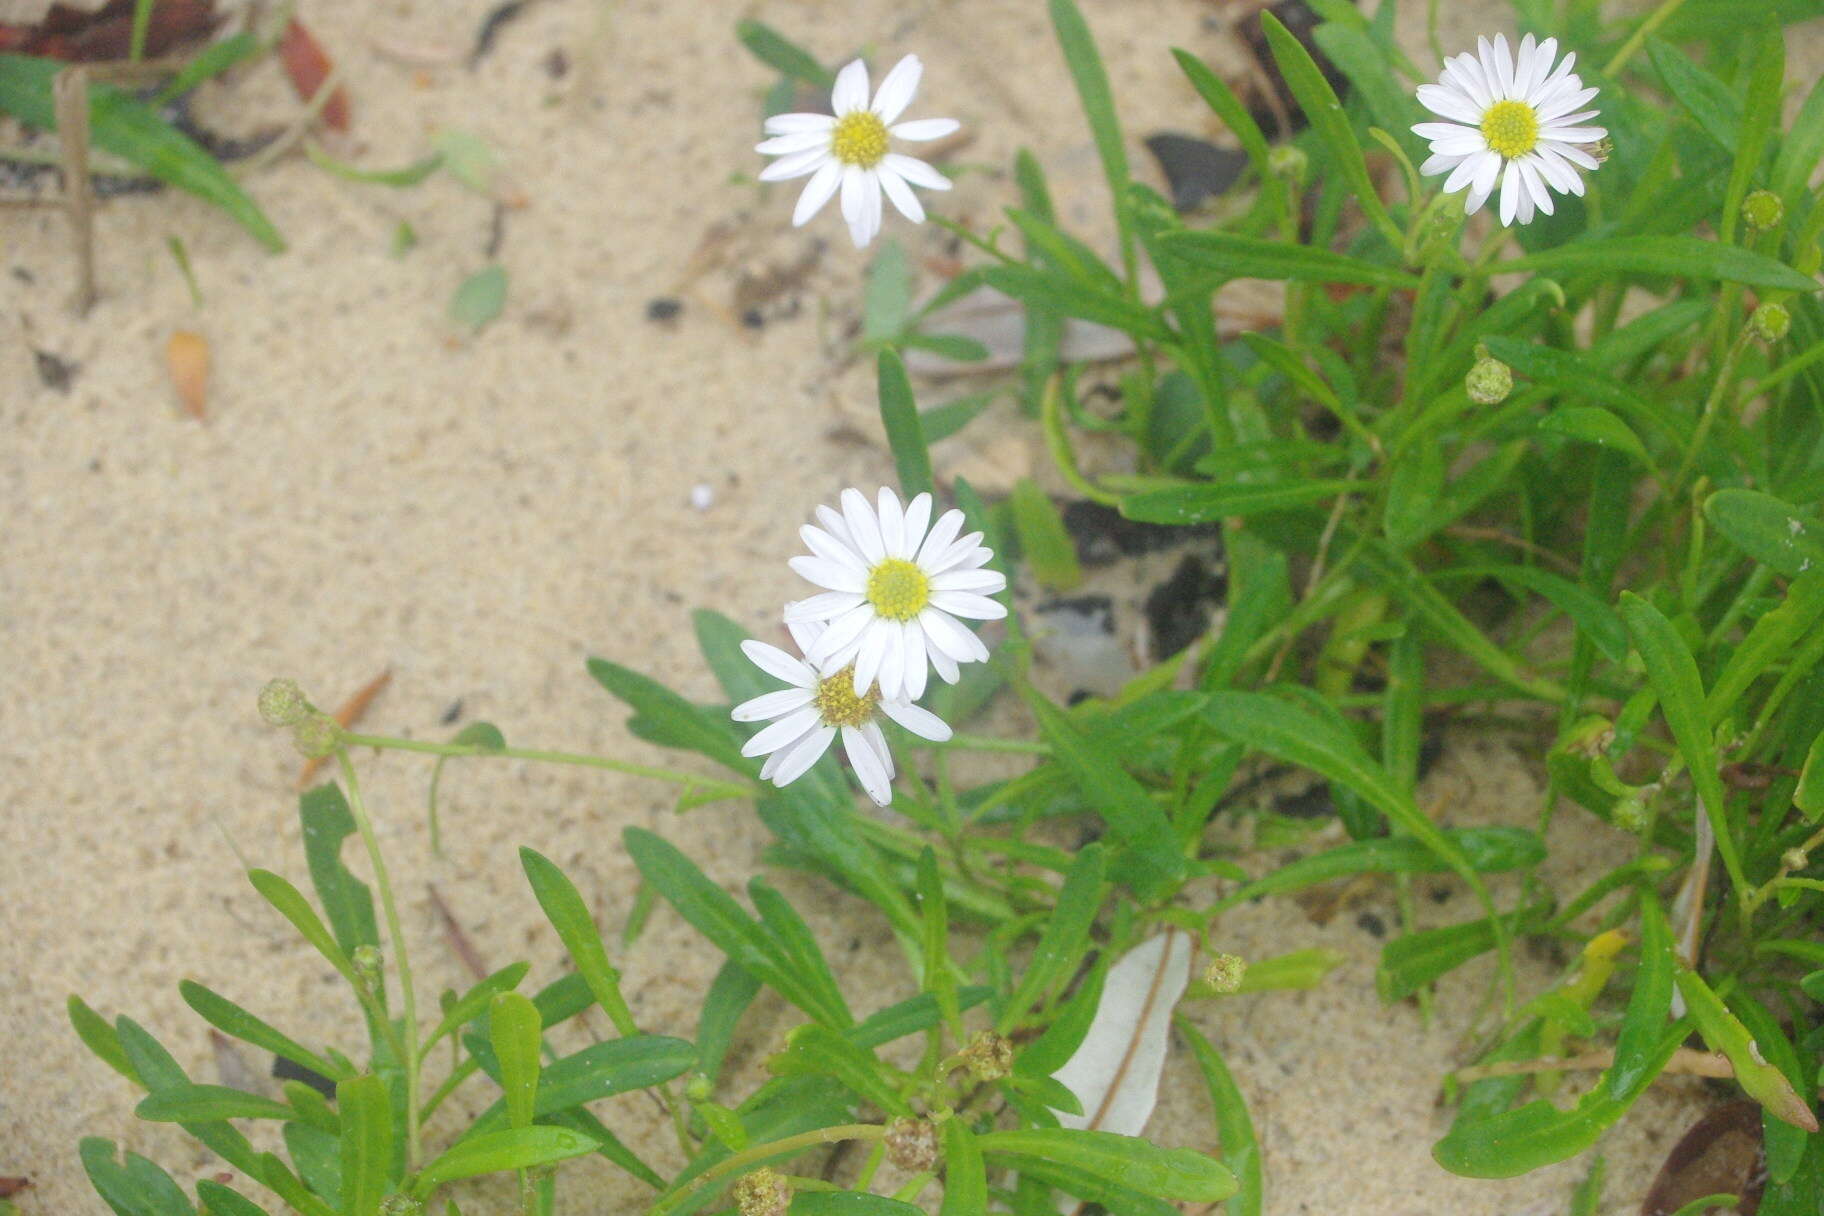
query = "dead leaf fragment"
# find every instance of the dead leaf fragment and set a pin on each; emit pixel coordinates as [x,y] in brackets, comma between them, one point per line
[1720,1155]
[187,358]
[308,66]
[1115,1072]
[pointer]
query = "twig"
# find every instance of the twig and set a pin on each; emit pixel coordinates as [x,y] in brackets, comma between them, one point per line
[70,94]
[459,941]
[299,126]
[349,713]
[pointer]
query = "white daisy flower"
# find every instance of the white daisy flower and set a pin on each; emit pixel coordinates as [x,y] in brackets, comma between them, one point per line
[894,591]
[849,149]
[806,717]
[1521,113]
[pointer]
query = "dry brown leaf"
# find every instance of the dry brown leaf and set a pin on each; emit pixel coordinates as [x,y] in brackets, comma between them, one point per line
[1115,1072]
[187,358]
[1720,1155]
[349,713]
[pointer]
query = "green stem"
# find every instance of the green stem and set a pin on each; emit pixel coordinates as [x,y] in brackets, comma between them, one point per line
[760,1153]
[365,826]
[391,743]
[984,743]
[1725,376]
[1654,20]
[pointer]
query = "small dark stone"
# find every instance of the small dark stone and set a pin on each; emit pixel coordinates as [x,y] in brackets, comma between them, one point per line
[557,64]
[454,712]
[752,319]
[1078,696]
[290,1070]
[1371,924]
[1195,169]
[663,308]
[57,374]
[1178,610]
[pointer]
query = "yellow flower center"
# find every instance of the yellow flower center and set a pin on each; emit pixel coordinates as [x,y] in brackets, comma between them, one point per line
[1511,128]
[860,139]
[898,589]
[837,703]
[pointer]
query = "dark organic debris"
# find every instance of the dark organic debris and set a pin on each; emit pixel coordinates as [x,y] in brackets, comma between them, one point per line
[453,713]
[77,35]
[1312,803]
[1195,169]
[1178,610]
[491,25]
[1371,924]
[1300,21]
[1721,1155]
[12,1184]
[55,373]
[663,308]
[291,1070]
[308,65]
[1103,535]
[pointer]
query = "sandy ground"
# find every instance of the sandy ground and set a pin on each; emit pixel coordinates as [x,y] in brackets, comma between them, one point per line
[372,491]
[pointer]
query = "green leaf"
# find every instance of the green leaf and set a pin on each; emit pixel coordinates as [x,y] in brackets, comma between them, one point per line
[1200,504]
[516,1035]
[730,993]
[292,905]
[1760,118]
[1234,1128]
[899,415]
[1366,65]
[1091,80]
[367,1143]
[326,821]
[1065,939]
[212,61]
[1724,1032]
[934,914]
[1704,97]
[1772,532]
[1686,257]
[850,1203]
[207,1104]
[519,1148]
[1784,1142]
[800,946]
[887,301]
[602,1070]
[231,1019]
[1590,424]
[1599,622]
[400,178]
[1417,960]
[1149,862]
[1771,640]
[138,1188]
[1488,850]
[132,130]
[1127,1161]
[1644,1024]
[777,51]
[1234,115]
[1674,676]
[813,1049]
[569,915]
[965,1179]
[1325,113]
[469,1005]
[480,297]
[1234,256]
[1073,299]
[99,1037]
[1809,796]
[1047,547]
[218,1200]
[680,723]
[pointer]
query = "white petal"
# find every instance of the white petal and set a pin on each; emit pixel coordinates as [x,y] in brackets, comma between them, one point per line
[912,647]
[966,552]
[851,91]
[921,129]
[854,180]
[1565,104]
[904,201]
[942,664]
[892,521]
[1483,184]
[865,227]
[921,722]
[825,605]
[1558,171]
[794,763]
[1442,130]
[1524,74]
[968,604]
[868,769]
[1510,194]
[805,634]
[867,660]
[893,663]
[1450,103]
[1464,143]
[837,526]
[915,171]
[1467,172]
[772,704]
[792,124]
[825,573]
[1466,74]
[863,527]
[939,538]
[798,141]
[918,520]
[1574,154]
[778,664]
[945,634]
[1472,202]
[1573,135]
[1535,185]
[826,546]
[897,90]
[988,582]
[1439,163]
[817,192]
[796,165]
[786,730]
[1504,66]
[843,630]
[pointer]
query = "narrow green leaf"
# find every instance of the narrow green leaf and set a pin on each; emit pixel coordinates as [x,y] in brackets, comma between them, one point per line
[938,978]
[1091,79]
[1200,504]
[126,127]
[1704,97]
[1488,850]
[138,1188]
[1417,960]
[1773,532]
[219,1200]
[800,945]
[1599,622]
[730,993]
[1367,66]
[1683,257]
[1590,424]
[1674,676]
[1234,115]
[516,1034]
[1073,299]
[400,178]
[1127,1161]
[1047,547]
[1644,1024]
[965,1178]
[850,1203]
[680,723]
[1784,1143]
[1065,939]
[1760,118]
[569,915]
[777,51]
[1234,256]
[99,1037]
[817,1050]
[1724,1032]
[1234,1128]
[212,61]
[207,1104]
[326,821]
[470,1004]
[1809,796]
[519,1148]
[1771,640]
[367,1143]
[480,297]
[230,1018]
[899,415]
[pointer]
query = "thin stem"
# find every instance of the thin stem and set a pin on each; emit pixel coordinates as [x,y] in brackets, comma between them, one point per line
[985,743]
[391,743]
[1724,377]
[1654,20]
[358,808]
[759,1153]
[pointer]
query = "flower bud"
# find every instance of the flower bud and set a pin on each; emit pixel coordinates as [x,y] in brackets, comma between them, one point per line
[1224,972]
[762,1193]
[401,1205]
[1770,322]
[282,703]
[699,1089]
[989,1057]
[1763,210]
[912,1144]
[1289,163]
[367,962]
[317,735]
[1489,381]
[1794,859]
[1630,814]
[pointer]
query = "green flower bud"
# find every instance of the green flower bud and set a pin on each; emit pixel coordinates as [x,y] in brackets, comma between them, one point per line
[317,735]
[1224,972]
[401,1205]
[912,1144]
[1489,381]
[367,961]
[1770,322]
[282,703]
[1763,210]
[989,1057]
[762,1193]
[1289,163]
[1794,859]
[1630,814]
[699,1089]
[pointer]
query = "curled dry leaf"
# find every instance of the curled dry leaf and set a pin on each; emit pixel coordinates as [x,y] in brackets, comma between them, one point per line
[187,359]
[1115,1073]
[97,35]
[308,66]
